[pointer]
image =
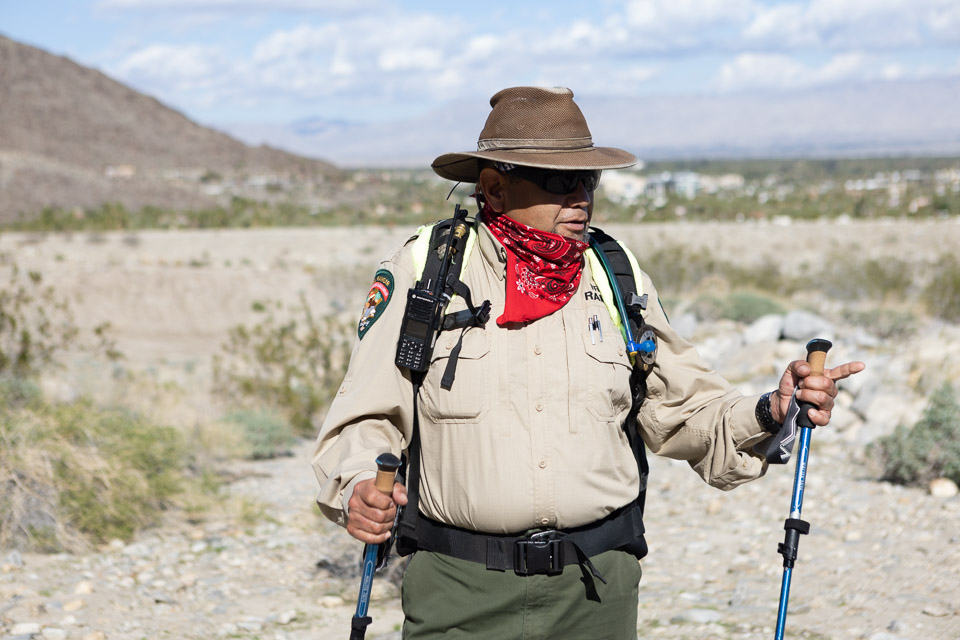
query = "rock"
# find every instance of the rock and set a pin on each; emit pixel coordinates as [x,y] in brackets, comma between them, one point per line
[251,624]
[286,617]
[83,588]
[685,324]
[95,635]
[53,633]
[25,628]
[883,635]
[804,326]
[14,559]
[331,602]
[697,616]
[767,328]
[935,611]
[943,488]
[73,605]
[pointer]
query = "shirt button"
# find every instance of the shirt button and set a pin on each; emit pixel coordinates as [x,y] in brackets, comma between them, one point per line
[620,351]
[544,520]
[539,406]
[536,349]
[543,464]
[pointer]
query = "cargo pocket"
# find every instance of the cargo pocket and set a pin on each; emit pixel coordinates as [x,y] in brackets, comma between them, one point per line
[607,384]
[468,399]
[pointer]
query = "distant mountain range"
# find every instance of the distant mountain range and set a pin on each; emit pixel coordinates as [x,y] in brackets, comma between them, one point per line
[878,118]
[72,137]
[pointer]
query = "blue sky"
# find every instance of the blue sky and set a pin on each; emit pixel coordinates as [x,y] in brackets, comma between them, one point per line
[224,61]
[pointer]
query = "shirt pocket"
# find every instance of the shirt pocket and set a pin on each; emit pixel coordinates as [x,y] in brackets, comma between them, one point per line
[468,400]
[606,387]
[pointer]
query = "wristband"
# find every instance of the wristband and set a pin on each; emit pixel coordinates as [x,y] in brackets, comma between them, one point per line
[764,416]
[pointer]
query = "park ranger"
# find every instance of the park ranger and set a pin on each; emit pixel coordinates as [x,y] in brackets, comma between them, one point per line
[528,491]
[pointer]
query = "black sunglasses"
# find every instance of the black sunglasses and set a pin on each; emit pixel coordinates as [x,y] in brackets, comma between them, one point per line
[558,182]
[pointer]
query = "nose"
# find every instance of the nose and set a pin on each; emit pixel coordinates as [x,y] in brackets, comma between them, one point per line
[579,197]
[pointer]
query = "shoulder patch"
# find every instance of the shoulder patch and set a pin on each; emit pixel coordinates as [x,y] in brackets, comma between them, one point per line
[380,293]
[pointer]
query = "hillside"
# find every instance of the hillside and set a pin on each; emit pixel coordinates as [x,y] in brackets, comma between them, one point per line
[72,137]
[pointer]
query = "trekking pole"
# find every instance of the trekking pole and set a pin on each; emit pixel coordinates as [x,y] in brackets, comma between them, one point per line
[387,465]
[794,526]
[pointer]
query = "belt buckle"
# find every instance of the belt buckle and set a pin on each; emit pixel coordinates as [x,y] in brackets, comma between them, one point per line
[539,554]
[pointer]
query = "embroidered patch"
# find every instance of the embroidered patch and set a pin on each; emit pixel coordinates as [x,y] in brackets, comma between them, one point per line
[380,293]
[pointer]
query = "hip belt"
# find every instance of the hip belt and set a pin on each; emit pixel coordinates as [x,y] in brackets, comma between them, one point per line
[541,552]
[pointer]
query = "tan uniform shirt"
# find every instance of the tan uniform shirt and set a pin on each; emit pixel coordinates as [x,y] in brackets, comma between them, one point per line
[530,433]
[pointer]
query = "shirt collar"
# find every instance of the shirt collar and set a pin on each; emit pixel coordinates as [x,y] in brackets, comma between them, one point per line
[493,252]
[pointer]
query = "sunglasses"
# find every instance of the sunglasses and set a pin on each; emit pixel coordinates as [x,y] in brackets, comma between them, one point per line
[558,182]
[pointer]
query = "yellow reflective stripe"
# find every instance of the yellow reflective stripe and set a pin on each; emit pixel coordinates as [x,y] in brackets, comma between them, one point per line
[420,249]
[606,292]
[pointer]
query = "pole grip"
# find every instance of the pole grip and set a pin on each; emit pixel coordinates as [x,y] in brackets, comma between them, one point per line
[387,465]
[816,358]
[817,355]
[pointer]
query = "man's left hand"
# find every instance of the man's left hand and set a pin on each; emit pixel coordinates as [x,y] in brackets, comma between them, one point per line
[819,391]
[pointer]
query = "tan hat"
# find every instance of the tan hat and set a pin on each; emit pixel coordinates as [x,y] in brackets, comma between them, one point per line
[533,127]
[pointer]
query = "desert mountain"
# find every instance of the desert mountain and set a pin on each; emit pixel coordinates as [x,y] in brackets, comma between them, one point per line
[72,137]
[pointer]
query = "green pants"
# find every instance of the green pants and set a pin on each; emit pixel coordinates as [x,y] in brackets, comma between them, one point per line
[448,598]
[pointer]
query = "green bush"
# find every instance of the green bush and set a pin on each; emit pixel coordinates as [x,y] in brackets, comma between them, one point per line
[292,365]
[942,293]
[34,322]
[75,473]
[931,449]
[845,277]
[267,434]
[747,306]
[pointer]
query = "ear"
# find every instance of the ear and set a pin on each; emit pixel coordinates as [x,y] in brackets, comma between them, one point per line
[491,184]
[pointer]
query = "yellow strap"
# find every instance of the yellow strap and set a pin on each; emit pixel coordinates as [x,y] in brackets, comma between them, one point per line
[602,280]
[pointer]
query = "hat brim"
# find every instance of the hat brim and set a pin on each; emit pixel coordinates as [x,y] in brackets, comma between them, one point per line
[465,166]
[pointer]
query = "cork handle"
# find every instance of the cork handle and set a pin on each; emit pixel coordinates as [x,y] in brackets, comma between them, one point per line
[817,355]
[387,465]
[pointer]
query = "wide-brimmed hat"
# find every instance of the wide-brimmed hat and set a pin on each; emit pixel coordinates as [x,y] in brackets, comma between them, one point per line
[533,127]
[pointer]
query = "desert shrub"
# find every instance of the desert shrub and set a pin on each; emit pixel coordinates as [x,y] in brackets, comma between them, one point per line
[266,434]
[747,306]
[845,277]
[942,292]
[677,268]
[291,364]
[931,449]
[884,323]
[707,307]
[75,473]
[34,322]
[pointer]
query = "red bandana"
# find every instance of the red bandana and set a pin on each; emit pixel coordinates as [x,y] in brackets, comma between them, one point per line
[543,269]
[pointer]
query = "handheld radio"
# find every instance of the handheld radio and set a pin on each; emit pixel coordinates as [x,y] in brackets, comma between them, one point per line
[426,301]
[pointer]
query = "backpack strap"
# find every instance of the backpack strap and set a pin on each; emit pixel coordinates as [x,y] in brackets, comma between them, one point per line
[624,286]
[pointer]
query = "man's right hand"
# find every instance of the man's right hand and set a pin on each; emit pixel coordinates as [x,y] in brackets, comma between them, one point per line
[370,514]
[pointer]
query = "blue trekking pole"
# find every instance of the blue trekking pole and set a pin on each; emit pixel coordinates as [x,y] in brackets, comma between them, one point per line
[794,526]
[387,465]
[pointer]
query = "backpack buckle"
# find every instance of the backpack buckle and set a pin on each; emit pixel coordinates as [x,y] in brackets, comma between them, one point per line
[539,554]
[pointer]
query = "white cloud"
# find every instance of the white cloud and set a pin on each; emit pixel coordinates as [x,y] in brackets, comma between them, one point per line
[410,60]
[174,68]
[238,5]
[777,71]
[840,25]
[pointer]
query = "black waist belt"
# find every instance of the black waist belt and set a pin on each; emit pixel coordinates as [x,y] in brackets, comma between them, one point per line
[542,552]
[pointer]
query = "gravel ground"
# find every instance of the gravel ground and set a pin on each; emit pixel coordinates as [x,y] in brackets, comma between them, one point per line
[880,563]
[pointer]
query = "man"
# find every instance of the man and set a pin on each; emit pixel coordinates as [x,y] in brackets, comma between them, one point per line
[528,450]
